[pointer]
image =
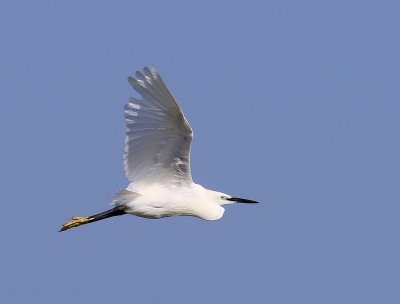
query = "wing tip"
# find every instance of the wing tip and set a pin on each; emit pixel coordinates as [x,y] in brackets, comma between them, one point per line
[149,71]
[141,77]
[137,84]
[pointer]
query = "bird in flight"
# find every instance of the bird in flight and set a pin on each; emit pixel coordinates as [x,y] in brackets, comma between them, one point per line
[157,161]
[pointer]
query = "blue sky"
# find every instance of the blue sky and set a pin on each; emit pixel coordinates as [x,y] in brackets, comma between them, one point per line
[293,103]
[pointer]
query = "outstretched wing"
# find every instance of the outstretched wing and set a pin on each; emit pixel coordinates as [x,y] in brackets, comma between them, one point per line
[158,136]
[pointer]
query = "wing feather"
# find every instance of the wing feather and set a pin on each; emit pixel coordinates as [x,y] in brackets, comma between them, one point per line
[158,136]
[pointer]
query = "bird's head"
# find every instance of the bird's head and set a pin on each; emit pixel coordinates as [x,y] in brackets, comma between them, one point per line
[228,199]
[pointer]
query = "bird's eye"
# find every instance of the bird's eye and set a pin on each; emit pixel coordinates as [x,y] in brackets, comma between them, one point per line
[223,197]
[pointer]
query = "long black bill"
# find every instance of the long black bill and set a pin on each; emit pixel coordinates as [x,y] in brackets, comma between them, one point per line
[242,200]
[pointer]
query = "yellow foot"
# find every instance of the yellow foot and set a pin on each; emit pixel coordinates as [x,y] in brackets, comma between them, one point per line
[75,222]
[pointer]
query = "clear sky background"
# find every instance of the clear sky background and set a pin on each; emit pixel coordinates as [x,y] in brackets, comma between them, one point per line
[295,104]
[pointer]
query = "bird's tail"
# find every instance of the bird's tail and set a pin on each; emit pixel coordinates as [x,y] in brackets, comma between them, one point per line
[124,196]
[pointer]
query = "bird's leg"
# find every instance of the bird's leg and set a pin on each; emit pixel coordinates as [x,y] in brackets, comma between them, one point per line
[75,222]
[78,220]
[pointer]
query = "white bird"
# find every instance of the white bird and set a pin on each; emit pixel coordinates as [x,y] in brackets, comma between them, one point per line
[157,161]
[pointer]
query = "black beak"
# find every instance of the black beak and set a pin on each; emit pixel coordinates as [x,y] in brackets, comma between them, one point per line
[241,200]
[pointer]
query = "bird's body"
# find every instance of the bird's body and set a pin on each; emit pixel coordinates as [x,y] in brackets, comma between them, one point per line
[157,161]
[157,201]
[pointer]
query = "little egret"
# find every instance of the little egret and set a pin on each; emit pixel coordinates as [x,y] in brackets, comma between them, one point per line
[157,161]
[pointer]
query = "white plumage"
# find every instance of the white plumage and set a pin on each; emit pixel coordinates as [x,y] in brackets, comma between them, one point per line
[158,136]
[157,160]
